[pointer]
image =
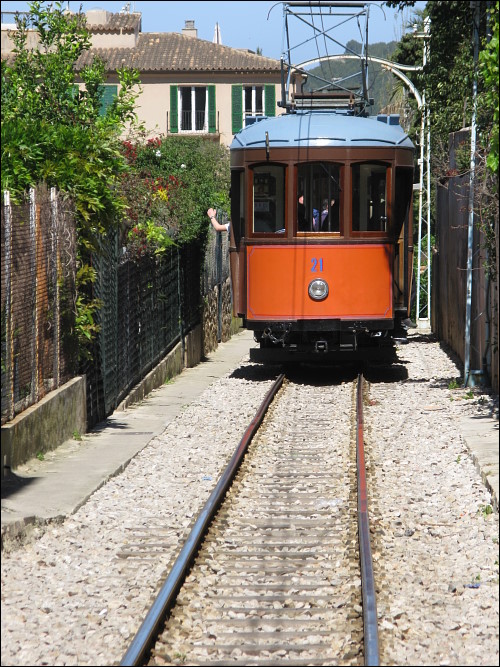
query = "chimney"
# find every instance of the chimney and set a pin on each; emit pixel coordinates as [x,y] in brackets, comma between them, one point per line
[189,30]
[98,16]
[217,36]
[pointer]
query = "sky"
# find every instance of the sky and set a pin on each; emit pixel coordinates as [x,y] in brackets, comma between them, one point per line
[243,25]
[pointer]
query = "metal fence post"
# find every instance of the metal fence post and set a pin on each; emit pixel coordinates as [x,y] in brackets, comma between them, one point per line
[33,269]
[218,270]
[9,338]
[424,270]
[181,303]
[468,374]
[55,277]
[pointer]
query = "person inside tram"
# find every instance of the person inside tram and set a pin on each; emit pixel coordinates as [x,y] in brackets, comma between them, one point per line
[316,226]
[330,216]
[301,215]
[303,224]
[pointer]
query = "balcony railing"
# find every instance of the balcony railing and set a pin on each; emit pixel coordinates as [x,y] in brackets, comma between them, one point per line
[200,124]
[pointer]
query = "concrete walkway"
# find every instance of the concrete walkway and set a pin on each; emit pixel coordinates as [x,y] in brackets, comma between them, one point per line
[57,486]
[481,437]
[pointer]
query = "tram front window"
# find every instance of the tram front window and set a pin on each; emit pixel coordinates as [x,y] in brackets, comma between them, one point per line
[318,206]
[269,199]
[369,198]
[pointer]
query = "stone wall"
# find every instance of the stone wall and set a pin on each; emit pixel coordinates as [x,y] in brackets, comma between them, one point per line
[230,324]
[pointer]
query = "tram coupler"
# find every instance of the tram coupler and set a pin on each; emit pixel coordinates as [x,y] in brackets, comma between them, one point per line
[278,333]
[321,346]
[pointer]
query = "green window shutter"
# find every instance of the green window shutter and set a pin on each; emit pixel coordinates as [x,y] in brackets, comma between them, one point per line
[108,93]
[270,100]
[237,107]
[212,114]
[174,118]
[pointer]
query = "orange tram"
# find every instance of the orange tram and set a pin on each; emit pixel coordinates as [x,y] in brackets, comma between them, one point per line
[321,242]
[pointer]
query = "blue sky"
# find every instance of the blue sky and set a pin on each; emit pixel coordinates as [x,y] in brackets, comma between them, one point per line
[243,24]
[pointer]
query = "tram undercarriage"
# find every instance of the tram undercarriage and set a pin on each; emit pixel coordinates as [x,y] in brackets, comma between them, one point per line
[322,342]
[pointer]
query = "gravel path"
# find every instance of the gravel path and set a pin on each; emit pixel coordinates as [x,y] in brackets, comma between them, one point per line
[75,595]
[436,553]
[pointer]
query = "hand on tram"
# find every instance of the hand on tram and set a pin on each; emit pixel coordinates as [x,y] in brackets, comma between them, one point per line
[215,223]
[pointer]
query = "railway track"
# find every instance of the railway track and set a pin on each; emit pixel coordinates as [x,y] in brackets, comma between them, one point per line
[281,570]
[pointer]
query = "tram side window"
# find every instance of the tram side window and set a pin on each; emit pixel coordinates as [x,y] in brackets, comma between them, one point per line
[403,197]
[269,199]
[318,191]
[238,205]
[369,198]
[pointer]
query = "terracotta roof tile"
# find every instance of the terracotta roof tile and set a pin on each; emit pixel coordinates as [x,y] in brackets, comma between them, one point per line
[173,52]
[126,23]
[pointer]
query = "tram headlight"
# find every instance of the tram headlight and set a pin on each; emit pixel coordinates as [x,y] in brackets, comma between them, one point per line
[318,289]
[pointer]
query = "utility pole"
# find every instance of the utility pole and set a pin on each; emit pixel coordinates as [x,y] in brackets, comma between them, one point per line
[469,376]
[423,312]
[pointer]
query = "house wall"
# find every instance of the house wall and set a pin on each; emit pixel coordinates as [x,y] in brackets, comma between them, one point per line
[153,105]
[123,40]
[7,43]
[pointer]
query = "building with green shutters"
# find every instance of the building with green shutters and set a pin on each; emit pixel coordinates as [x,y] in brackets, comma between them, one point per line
[189,85]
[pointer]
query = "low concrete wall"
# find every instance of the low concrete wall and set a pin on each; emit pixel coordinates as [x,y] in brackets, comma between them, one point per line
[168,367]
[46,425]
[194,347]
[56,418]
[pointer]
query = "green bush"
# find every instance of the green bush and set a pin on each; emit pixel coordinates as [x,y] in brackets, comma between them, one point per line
[173,181]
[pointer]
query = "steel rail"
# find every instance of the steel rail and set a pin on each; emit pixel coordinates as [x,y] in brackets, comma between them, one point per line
[365,554]
[147,633]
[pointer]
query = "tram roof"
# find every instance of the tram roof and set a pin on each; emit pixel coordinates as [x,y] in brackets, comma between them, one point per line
[322,128]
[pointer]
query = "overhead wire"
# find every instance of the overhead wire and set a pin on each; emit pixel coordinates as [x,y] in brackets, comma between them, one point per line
[327,55]
[316,39]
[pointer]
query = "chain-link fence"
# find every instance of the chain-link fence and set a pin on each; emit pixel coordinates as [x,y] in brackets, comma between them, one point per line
[216,280]
[147,306]
[38,246]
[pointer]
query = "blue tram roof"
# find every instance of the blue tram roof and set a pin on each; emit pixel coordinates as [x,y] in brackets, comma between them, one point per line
[322,128]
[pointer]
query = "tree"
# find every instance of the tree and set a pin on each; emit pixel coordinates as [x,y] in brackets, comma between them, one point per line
[449,73]
[448,81]
[488,62]
[488,102]
[380,81]
[53,131]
